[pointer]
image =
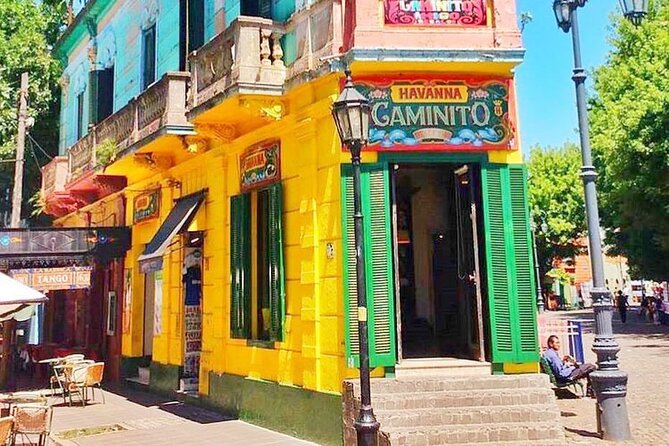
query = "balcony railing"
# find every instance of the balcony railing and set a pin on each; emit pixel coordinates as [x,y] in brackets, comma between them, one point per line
[246,56]
[54,176]
[161,107]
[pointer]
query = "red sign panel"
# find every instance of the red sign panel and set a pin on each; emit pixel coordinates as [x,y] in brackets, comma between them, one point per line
[436,12]
[260,166]
[439,114]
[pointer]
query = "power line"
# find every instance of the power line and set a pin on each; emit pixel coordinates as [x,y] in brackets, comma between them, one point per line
[39,146]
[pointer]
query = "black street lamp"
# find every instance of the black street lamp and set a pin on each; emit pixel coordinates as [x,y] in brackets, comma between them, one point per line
[351,113]
[609,382]
[634,10]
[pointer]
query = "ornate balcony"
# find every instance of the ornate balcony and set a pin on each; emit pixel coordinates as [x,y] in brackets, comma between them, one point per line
[246,58]
[160,109]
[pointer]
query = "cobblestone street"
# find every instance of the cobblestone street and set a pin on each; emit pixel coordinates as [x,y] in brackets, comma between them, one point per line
[644,356]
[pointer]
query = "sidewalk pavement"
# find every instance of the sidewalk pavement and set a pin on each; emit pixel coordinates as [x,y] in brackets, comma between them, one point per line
[131,417]
[644,355]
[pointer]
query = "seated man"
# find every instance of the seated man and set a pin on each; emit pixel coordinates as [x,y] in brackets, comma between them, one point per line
[565,368]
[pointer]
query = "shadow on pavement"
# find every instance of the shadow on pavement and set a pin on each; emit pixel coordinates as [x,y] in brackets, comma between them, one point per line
[583,433]
[169,405]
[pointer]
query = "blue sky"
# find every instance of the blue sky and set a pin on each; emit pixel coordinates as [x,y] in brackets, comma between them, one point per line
[546,99]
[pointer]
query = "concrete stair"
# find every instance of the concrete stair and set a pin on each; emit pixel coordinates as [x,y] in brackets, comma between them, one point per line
[460,410]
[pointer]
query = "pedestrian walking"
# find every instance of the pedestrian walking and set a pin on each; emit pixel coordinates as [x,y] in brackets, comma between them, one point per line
[621,303]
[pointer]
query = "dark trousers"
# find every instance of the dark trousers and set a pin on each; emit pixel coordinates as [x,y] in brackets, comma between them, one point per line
[582,371]
[623,314]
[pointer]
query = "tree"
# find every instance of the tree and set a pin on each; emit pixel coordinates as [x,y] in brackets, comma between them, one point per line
[630,135]
[556,202]
[28,30]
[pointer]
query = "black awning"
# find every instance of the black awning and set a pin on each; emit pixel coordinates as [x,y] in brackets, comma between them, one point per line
[179,217]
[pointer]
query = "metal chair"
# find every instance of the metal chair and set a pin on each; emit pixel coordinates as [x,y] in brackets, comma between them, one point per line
[84,378]
[29,420]
[6,425]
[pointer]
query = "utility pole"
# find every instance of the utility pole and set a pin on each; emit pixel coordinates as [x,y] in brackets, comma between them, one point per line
[8,325]
[20,150]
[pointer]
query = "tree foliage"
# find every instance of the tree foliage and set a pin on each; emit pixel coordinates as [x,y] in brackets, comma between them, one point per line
[28,30]
[630,134]
[556,202]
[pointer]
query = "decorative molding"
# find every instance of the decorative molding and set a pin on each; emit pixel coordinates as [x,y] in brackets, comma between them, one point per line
[64,83]
[152,161]
[150,14]
[223,132]
[106,49]
[92,56]
[195,144]
[270,109]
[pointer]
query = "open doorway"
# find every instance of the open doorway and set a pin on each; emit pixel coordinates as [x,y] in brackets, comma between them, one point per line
[437,247]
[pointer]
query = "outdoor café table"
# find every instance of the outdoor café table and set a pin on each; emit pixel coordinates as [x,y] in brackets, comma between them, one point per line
[52,362]
[11,399]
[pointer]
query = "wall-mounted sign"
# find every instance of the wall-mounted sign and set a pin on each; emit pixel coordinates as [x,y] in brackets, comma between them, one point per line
[146,206]
[436,12]
[127,300]
[439,114]
[47,279]
[260,166]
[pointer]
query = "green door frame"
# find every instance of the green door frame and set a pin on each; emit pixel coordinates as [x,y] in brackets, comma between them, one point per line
[430,158]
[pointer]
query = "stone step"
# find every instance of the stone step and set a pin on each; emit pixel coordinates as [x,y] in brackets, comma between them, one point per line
[560,442]
[468,415]
[432,384]
[496,433]
[463,398]
[442,367]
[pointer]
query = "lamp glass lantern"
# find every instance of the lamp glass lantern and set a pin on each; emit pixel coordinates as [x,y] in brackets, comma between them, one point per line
[562,10]
[351,113]
[634,10]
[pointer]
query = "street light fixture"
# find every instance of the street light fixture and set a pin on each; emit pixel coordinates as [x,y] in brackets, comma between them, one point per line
[351,113]
[634,10]
[609,382]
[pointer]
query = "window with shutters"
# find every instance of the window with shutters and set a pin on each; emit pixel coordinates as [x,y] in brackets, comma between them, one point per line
[105,93]
[148,56]
[375,191]
[80,116]
[257,8]
[256,263]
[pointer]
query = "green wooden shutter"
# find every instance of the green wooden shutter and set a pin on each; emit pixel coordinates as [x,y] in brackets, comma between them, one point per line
[509,265]
[525,279]
[240,264]
[378,268]
[275,257]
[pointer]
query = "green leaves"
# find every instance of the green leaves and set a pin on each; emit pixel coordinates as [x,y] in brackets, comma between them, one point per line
[556,202]
[28,29]
[630,136]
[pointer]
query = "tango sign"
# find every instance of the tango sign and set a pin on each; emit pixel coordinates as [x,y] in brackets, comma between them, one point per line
[47,279]
[439,114]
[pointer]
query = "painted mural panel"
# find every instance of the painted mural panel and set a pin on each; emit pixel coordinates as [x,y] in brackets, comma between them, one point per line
[439,114]
[435,12]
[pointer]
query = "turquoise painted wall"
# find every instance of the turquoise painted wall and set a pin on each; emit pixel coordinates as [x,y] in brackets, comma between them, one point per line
[119,43]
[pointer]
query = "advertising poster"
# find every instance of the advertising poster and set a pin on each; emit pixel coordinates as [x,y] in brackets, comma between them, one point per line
[127,300]
[158,307]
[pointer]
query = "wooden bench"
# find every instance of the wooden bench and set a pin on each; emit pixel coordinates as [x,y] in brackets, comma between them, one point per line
[571,385]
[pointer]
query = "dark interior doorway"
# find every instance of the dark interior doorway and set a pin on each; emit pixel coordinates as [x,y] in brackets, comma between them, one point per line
[438,260]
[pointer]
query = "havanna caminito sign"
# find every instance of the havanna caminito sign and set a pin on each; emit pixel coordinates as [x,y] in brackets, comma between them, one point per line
[435,12]
[439,115]
[260,166]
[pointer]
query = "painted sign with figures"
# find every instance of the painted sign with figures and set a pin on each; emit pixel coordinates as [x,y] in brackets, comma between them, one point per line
[439,114]
[436,12]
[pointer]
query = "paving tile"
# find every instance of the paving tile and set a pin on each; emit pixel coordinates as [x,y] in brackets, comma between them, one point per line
[644,355]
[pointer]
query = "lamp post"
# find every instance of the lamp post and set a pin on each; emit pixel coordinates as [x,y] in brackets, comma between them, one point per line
[351,113]
[609,382]
[541,306]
